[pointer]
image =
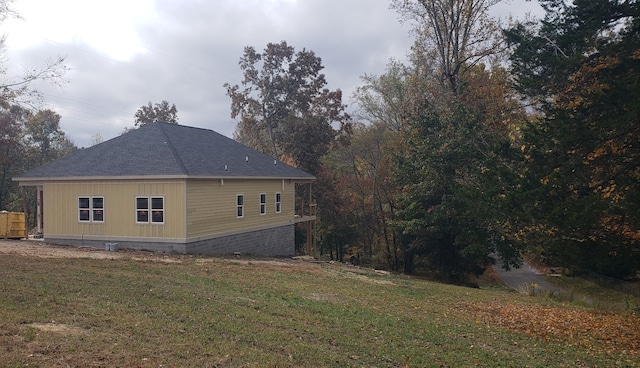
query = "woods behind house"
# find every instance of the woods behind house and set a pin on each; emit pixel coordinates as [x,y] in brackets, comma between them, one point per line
[493,139]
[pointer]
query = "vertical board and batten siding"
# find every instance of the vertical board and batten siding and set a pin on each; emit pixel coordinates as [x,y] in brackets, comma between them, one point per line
[212,205]
[61,208]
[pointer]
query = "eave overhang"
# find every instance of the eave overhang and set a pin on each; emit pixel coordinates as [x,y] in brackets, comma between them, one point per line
[31,181]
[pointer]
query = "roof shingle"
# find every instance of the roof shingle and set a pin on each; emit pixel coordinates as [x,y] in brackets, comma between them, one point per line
[162,149]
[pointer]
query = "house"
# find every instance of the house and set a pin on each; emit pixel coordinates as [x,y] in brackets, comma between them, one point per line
[170,188]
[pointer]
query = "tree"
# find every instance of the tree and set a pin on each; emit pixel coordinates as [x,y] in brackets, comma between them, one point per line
[458,118]
[28,140]
[453,35]
[365,169]
[96,139]
[581,66]
[453,184]
[384,101]
[154,113]
[284,107]
[11,152]
[285,110]
[43,134]
[363,173]
[17,89]
[17,97]
[381,99]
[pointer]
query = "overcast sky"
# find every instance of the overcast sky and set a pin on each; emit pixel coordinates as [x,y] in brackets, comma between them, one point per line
[124,53]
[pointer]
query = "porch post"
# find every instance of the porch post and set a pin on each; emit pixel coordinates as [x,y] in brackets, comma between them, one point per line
[308,224]
[25,209]
[39,210]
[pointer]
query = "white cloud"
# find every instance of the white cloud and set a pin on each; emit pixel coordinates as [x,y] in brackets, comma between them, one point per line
[108,27]
[125,53]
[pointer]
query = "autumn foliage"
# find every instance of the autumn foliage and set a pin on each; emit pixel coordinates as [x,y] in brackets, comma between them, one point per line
[581,69]
[593,330]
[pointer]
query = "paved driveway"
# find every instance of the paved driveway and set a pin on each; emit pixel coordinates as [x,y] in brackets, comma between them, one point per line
[519,278]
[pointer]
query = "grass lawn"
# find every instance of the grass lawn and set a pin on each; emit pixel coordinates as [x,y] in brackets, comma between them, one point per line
[215,312]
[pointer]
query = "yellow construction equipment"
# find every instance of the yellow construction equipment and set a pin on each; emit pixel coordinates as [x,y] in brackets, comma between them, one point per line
[12,225]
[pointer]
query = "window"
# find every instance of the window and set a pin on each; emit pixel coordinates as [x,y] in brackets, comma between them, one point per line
[84,211]
[263,203]
[157,209]
[142,209]
[240,205]
[149,210]
[97,206]
[91,209]
[278,202]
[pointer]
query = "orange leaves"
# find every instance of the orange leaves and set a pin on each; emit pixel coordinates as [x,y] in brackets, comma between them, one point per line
[593,330]
[610,147]
[588,81]
[617,224]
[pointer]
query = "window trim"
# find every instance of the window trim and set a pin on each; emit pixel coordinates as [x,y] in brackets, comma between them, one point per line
[149,210]
[90,209]
[239,206]
[152,210]
[94,209]
[139,209]
[82,208]
[262,199]
[278,202]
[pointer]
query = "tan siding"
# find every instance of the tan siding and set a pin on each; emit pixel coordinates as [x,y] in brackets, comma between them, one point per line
[61,208]
[212,205]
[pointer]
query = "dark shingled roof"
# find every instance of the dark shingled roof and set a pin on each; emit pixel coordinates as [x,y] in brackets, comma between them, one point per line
[162,149]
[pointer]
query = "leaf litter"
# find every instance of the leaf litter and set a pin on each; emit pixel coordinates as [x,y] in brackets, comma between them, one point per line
[594,330]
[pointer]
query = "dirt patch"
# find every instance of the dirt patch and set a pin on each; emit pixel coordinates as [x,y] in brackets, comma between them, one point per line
[58,328]
[40,249]
[248,262]
[372,280]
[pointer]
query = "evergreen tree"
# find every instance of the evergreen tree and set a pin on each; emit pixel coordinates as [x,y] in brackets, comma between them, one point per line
[453,182]
[580,67]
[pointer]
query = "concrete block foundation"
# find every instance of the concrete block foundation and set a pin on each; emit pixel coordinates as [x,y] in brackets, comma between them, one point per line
[271,242]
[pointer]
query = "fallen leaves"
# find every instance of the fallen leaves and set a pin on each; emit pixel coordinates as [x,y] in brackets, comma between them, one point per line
[608,331]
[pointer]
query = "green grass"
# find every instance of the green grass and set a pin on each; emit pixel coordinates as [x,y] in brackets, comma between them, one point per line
[584,291]
[210,312]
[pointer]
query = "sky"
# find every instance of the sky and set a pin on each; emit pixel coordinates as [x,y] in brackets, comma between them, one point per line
[123,54]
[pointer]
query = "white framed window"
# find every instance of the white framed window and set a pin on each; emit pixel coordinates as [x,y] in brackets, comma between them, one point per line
[91,209]
[278,202]
[84,209]
[142,210]
[149,210]
[157,210]
[97,209]
[240,205]
[263,203]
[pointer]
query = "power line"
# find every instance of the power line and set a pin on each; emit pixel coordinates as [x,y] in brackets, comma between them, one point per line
[65,118]
[84,103]
[130,65]
[90,113]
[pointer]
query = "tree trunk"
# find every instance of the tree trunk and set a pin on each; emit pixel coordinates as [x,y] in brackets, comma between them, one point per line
[409,256]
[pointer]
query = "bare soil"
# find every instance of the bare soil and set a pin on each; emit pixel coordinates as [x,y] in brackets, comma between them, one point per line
[37,248]
[41,249]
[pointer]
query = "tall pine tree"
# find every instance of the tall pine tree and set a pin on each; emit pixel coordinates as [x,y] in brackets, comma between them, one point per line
[580,67]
